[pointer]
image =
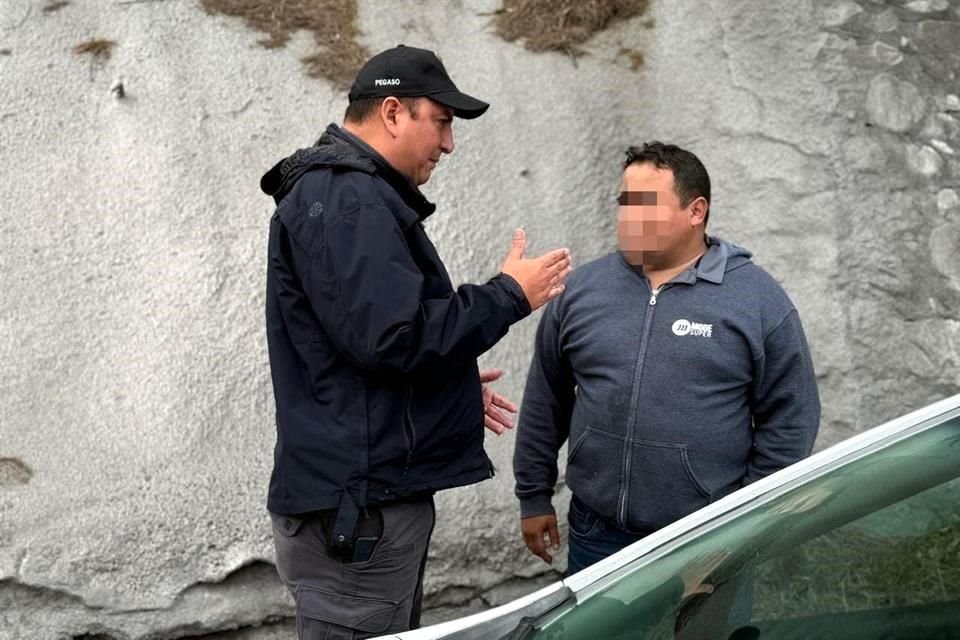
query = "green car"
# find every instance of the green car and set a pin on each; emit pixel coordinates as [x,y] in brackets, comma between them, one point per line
[860,541]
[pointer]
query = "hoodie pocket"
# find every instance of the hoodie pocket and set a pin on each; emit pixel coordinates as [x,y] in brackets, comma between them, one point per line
[662,486]
[593,469]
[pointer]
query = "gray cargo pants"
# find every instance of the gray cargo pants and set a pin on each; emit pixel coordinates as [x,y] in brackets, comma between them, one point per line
[339,600]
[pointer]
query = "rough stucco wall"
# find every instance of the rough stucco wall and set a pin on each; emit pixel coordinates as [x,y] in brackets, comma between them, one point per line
[136,415]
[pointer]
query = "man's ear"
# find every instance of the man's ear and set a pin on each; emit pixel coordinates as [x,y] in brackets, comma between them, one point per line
[389,110]
[698,211]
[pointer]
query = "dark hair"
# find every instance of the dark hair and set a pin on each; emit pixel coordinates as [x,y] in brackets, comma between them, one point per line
[359,110]
[690,178]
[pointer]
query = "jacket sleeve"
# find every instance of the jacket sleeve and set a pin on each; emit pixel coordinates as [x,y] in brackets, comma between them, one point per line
[366,290]
[784,401]
[544,418]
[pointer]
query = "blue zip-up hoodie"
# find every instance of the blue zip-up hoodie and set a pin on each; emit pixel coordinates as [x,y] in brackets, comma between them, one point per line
[670,399]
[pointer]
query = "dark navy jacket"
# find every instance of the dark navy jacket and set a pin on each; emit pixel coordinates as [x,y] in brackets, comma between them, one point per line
[372,352]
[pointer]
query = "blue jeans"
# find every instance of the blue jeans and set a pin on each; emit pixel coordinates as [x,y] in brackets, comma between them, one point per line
[592,537]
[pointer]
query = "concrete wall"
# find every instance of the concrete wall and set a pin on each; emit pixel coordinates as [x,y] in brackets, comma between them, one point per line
[136,426]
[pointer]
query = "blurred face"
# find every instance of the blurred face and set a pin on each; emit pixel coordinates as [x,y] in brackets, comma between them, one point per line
[652,227]
[423,139]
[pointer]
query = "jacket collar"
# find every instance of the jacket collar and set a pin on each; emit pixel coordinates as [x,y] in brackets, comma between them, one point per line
[410,194]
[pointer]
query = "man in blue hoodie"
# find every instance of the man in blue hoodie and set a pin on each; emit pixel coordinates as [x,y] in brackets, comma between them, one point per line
[373,353]
[676,368]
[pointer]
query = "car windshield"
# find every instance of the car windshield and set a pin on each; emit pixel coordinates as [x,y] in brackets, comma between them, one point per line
[868,550]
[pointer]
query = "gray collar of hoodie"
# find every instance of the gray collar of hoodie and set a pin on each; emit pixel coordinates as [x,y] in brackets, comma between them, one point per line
[710,267]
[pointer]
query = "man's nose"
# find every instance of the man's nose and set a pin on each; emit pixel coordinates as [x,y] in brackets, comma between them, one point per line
[641,212]
[446,143]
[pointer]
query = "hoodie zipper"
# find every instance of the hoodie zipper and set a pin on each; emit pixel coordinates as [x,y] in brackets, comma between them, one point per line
[634,397]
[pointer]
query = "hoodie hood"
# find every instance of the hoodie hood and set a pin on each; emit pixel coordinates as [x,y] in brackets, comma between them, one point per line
[720,258]
[340,150]
[723,256]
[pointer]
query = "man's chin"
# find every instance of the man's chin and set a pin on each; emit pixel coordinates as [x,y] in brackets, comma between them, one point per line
[638,256]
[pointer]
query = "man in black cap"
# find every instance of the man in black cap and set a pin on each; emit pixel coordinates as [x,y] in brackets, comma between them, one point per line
[373,353]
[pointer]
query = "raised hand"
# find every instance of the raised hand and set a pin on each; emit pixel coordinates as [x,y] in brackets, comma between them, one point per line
[540,278]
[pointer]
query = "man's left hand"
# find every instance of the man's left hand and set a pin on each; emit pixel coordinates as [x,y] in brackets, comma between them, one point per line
[494,404]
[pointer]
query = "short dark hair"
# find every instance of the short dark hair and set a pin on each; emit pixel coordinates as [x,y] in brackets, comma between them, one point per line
[690,178]
[359,110]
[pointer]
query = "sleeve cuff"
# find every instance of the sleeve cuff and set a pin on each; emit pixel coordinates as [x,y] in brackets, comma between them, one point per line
[516,292]
[540,504]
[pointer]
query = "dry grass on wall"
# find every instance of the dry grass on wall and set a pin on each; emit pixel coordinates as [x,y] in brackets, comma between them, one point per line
[99,49]
[53,7]
[562,25]
[332,22]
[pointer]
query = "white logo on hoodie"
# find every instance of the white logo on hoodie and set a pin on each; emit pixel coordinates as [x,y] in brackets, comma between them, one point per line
[684,327]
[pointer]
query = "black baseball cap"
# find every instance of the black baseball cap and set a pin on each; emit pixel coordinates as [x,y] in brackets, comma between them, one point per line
[410,72]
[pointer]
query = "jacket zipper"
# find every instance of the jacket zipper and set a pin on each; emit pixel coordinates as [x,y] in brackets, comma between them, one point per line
[409,430]
[638,375]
